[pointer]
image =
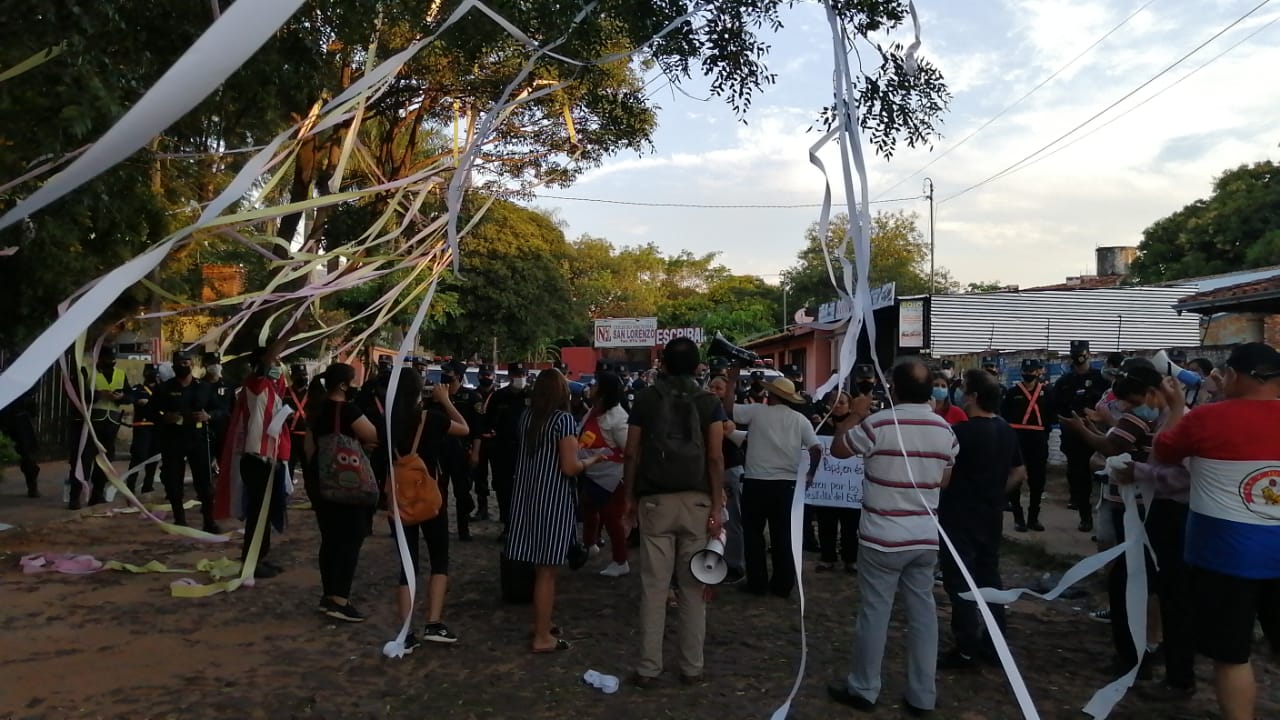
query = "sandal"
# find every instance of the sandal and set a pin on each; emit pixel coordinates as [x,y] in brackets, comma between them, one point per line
[560,646]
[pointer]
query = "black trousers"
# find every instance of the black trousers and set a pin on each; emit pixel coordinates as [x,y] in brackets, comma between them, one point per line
[504,475]
[455,473]
[107,432]
[841,522]
[255,472]
[1117,592]
[342,532]
[297,451]
[141,448]
[18,427]
[480,473]
[977,542]
[1167,530]
[181,448]
[1035,457]
[768,503]
[1080,480]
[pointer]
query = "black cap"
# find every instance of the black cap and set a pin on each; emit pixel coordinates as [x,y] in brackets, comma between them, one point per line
[1178,357]
[792,370]
[107,353]
[150,368]
[1257,360]
[385,360]
[516,369]
[989,360]
[297,369]
[180,355]
[1115,359]
[455,368]
[947,365]
[719,363]
[418,360]
[864,372]
[757,374]
[486,371]
[1079,347]
[1031,365]
[213,358]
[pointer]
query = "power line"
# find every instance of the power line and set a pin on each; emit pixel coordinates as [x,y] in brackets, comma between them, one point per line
[1108,108]
[1154,95]
[1019,101]
[701,205]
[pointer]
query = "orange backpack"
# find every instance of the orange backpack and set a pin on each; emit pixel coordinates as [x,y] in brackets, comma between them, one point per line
[417,495]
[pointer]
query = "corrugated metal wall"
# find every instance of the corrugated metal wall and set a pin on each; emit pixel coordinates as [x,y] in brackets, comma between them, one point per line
[1124,318]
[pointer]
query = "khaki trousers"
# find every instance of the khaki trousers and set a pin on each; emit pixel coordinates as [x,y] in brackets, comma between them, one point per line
[673,527]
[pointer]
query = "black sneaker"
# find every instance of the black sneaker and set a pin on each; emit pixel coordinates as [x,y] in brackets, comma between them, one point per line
[345,613]
[411,643]
[439,633]
[956,660]
[265,570]
[1019,527]
[851,568]
[841,694]
[1035,525]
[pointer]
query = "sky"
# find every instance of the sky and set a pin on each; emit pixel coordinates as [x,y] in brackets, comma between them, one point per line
[1034,227]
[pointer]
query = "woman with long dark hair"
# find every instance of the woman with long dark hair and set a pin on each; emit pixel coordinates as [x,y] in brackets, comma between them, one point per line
[542,503]
[603,498]
[342,527]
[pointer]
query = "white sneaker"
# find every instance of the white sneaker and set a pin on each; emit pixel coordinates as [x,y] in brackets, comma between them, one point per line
[616,570]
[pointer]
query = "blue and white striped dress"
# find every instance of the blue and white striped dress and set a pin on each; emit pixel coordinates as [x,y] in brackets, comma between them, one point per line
[542,499]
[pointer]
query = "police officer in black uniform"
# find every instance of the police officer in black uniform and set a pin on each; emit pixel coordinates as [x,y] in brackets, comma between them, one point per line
[222,397]
[144,444]
[991,364]
[184,406]
[455,459]
[483,444]
[1078,390]
[502,418]
[1028,408]
[866,383]
[296,399]
[16,423]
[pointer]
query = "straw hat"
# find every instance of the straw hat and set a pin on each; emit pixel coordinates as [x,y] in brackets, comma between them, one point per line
[784,389]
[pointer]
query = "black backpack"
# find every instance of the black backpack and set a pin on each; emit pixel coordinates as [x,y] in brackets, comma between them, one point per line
[673,456]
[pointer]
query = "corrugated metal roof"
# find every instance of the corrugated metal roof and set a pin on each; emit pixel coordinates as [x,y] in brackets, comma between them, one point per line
[1123,318]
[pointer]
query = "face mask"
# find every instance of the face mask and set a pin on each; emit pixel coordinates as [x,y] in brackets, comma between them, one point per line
[866,387]
[940,394]
[946,374]
[275,372]
[215,370]
[517,383]
[957,397]
[1030,378]
[1146,414]
[486,382]
[182,371]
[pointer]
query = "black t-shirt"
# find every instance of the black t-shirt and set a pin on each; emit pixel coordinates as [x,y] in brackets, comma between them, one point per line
[988,452]
[435,435]
[329,417]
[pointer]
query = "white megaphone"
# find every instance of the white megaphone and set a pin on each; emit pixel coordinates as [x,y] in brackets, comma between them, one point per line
[1165,365]
[707,565]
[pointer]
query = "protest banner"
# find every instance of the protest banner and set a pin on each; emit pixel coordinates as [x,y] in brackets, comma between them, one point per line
[837,483]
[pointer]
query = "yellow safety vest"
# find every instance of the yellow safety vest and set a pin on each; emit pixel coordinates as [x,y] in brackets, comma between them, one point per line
[115,384]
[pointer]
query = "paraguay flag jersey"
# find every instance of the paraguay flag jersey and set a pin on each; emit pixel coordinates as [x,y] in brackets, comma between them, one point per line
[1233,448]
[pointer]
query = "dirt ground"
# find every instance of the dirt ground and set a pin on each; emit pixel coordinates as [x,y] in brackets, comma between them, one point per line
[116,645]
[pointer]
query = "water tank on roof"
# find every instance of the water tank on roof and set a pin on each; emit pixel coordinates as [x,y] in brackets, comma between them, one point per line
[1115,260]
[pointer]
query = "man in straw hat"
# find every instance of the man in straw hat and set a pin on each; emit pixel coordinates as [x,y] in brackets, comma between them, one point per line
[775,433]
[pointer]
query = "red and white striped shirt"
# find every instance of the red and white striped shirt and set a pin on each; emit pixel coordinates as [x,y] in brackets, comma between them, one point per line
[893,516]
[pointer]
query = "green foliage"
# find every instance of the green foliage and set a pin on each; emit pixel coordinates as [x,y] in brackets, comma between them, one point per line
[899,254]
[984,286]
[8,452]
[1235,228]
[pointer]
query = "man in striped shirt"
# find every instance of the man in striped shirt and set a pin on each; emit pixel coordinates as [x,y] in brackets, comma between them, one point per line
[1233,531]
[909,454]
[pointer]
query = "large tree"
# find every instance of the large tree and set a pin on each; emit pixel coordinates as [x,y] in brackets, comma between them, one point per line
[1235,228]
[899,254]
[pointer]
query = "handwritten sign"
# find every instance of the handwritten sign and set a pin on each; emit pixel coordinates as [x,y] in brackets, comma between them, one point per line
[838,483]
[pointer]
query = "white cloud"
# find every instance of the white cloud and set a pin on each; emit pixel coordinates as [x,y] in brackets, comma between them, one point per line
[1033,227]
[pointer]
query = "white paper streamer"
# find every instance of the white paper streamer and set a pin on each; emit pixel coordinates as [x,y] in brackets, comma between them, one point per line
[228,42]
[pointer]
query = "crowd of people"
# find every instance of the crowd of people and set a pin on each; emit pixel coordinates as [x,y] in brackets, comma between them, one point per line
[661,463]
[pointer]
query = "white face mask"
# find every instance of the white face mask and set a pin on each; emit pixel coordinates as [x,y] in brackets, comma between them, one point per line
[215,370]
[517,383]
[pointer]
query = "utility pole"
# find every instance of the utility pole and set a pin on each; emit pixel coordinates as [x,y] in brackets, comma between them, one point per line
[933,282]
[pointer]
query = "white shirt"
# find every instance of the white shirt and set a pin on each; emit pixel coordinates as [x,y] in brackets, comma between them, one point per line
[775,438]
[897,473]
[613,428]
